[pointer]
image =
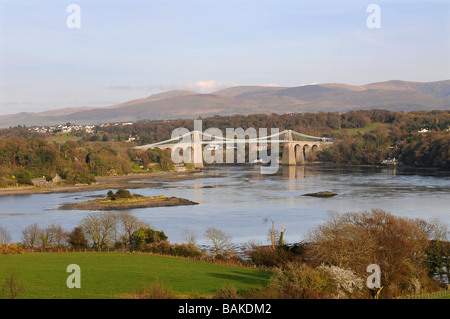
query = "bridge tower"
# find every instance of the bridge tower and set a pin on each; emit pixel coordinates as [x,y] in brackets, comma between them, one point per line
[197,154]
[289,150]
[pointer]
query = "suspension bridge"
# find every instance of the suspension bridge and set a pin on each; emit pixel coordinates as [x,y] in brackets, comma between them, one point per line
[296,147]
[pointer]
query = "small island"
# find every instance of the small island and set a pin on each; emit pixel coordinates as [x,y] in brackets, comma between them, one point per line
[321,194]
[123,199]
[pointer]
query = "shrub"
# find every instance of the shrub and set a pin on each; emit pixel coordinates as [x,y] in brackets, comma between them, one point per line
[154,290]
[11,249]
[145,235]
[226,292]
[166,248]
[299,281]
[120,194]
[23,176]
[123,193]
[355,240]
[12,287]
[77,238]
[266,256]
[348,283]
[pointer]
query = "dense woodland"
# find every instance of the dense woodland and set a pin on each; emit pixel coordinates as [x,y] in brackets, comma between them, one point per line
[364,137]
[80,162]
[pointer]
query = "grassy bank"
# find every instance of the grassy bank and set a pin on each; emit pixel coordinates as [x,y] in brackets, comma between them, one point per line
[118,275]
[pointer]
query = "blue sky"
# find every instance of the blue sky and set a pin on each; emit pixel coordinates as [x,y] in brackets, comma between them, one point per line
[126,50]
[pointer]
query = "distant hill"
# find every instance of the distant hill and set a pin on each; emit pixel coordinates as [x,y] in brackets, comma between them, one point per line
[392,95]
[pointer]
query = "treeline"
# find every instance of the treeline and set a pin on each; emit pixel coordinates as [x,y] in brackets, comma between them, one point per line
[398,135]
[413,255]
[362,137]
[327,124]
[102,231]
[413,149]
[75,162]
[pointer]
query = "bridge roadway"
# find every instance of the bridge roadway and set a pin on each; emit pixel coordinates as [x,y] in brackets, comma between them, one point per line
[294,152]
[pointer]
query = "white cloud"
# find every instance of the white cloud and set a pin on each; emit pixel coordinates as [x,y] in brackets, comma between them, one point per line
[207,86]
[199,87]
[314,83]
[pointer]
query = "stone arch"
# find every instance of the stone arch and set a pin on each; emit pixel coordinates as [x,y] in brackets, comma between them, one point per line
[306,150]
[188,155]
[299,156]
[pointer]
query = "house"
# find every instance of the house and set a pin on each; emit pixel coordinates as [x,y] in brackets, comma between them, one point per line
[398,143]
[41,181]
[57,179]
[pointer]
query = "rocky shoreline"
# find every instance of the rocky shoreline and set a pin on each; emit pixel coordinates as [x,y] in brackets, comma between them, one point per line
[131,181]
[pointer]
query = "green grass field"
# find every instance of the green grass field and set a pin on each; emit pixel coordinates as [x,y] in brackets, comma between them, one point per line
[365,129]
[62,138]
[117,275]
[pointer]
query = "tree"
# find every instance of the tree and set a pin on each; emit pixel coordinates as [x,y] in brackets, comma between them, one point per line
[128,224]
[221,242]
[5,236]
[12,287]
[438,250]
[121,193]
[77,239]
[99,229]
[23,176]
[189,236]
[147,235]
[356,240]
[30,235]
[276,238]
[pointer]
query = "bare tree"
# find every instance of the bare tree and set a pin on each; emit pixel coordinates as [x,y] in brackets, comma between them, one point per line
[30,235]
[276,237]
[44,238]
[51,236]
[59,235]
[189,236]
[12,287]
[99,228]
[221,241]
[5,236]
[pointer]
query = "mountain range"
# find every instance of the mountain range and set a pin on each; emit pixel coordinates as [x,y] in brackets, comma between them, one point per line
[392,95]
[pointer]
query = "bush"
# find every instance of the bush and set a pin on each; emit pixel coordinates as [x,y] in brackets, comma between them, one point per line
[226,292]
[154,290]
[23,176]
[146,235]
[166,248]
[299,281]
[12,286]
[77,238]
[120,194]
[348,283]
[11,249]
[356,240]
[266,256]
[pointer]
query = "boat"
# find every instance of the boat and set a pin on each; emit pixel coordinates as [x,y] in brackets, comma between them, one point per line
[391,162]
